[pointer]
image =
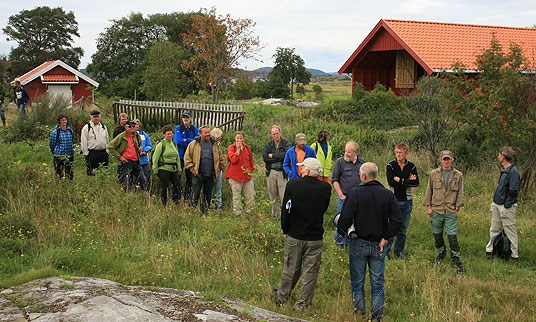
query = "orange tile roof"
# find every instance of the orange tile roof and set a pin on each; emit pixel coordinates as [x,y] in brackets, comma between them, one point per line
[59,78]
[35,72]
[436,46]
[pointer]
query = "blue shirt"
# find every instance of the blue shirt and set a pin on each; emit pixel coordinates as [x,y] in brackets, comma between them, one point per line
[508,187]
[61,141]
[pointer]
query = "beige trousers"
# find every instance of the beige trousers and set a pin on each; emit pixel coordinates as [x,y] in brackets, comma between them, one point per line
[240,189]
[276,189]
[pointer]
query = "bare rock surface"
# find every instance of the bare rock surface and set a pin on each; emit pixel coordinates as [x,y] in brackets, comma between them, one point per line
[83,299]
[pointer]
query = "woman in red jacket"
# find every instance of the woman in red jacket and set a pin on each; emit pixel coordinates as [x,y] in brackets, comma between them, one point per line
[240,173]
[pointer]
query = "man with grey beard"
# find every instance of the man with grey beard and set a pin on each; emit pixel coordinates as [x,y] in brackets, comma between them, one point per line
[345,176]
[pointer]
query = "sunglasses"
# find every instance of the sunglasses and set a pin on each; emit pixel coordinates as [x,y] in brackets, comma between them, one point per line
[131,125]
[445,159]
[185,117]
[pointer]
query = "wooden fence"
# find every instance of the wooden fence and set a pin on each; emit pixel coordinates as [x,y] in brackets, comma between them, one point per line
[154,115]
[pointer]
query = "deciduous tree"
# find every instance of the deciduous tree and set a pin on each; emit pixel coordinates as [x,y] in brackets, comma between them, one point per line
[218,44]
[290,67]
[42,34]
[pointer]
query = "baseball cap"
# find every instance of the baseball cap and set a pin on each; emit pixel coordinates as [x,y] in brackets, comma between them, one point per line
[311,164]
[130,122]
[446,154]
[94,113]
[187,113]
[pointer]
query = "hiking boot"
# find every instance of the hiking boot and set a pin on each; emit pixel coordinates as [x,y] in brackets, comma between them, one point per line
[300,306]
[489,255]
[439,258]
[457,263]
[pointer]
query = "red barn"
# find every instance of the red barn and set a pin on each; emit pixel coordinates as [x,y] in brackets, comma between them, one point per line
[396,53]
[57,78]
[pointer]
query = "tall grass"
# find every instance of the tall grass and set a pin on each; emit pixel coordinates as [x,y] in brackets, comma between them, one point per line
[91,227]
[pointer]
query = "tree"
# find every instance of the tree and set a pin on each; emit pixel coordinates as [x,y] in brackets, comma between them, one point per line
[290,67]
[218,44]
[274,86]
[42,34]
[162,78]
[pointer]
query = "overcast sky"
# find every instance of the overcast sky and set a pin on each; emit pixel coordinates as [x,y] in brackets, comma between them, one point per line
[323,32]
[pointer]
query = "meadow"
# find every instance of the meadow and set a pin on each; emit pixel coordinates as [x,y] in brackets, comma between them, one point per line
[90,227]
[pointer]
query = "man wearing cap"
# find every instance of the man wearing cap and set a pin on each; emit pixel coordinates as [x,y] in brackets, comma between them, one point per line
[184,134]
[273,156]
[126,148]
[305,201]
[123,118]
[377,217]
[443,199]
[296,154]
[345,176]
[204,159]
[94,143]
[21,97]
[504,205]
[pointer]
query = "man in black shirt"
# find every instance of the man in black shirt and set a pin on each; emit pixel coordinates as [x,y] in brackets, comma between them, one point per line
[305,201]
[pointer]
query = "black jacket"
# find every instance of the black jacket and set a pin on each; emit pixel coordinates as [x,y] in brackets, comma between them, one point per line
[309,199]
[402,189]
[276,161]
[374,211]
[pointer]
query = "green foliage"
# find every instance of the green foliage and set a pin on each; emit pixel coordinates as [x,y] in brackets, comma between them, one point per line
[163,79]
[379,108]
[42,34]
[244,88]
[290,68]
[274,86]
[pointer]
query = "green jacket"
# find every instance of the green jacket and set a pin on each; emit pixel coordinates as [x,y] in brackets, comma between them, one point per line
[119,144]
[171,159]
[325,160]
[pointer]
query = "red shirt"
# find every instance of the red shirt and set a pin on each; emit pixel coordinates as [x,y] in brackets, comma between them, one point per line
[240,166]
[130,153]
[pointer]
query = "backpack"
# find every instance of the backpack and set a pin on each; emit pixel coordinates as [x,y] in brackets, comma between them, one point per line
[90,128]
[501,246]
[161,159]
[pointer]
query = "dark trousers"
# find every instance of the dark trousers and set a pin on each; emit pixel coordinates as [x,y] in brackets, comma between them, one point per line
[165,177]
[188,185]
[207,184]
[94,159]
[131,173]
[63,164]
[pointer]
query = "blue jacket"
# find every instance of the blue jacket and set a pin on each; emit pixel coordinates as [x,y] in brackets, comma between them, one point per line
[508,187]
[184,136]
[61,142]
[146,146]
[289,164]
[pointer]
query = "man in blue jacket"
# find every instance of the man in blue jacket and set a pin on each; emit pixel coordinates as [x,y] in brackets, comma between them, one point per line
[504,205]
[184,134]
[297,154]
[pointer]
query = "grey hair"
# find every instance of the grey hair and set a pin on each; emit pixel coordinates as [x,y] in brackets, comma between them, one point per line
[204,127]
[356,146]
[507,152]
[216,133]
[369,169]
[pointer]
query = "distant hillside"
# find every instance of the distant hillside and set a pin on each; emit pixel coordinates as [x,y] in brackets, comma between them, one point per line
[264,71]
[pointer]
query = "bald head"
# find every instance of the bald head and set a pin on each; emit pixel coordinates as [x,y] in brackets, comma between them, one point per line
[368,171]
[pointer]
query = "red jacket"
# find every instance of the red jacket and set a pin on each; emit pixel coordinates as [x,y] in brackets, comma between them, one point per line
[240,166]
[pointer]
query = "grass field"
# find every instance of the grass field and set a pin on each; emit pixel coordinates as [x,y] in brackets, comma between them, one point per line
[90,227]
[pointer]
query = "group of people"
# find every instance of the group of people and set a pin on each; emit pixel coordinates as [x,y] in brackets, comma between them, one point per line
[372,218]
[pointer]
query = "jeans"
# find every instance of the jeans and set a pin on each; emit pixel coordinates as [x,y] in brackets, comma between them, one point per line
[363,253]
[340,240]
[131,172]
[405,208]
[22,108]
[206,183]
[217,196]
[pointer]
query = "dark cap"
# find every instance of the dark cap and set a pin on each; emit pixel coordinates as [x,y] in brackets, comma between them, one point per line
[130,122]
[94,113]
[187,113]
[446,154]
